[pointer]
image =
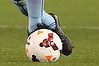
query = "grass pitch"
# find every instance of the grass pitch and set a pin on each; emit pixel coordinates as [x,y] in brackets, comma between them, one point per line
[79,20]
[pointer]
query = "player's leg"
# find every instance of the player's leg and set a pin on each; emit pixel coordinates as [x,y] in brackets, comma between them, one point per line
[50,21]
[22,6]
[46,18]
[35,11]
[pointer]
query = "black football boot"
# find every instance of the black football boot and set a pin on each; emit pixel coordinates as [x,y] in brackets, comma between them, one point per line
[67,45]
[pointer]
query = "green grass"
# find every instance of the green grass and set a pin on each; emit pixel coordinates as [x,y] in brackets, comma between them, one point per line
[79,20]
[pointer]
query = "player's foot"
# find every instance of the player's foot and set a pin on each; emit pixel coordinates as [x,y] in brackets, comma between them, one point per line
[19,2]
[39,26]
[67,45]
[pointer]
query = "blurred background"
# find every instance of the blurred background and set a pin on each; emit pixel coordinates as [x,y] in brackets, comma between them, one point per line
[79,20]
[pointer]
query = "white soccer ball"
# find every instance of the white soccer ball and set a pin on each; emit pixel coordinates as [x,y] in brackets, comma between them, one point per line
[43,46]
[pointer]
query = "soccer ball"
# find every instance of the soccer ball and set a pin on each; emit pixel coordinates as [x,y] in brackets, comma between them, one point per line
[43,45]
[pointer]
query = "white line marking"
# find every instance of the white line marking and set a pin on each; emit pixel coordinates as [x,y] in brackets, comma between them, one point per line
[81,27]
[63,27]
[16,26]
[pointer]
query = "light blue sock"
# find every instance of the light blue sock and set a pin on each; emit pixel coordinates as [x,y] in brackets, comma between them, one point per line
[35,11]
[36,14]
[48,20]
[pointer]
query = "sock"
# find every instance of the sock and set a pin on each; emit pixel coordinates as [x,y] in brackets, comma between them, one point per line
[48,21]
[35,11]
[37,14]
